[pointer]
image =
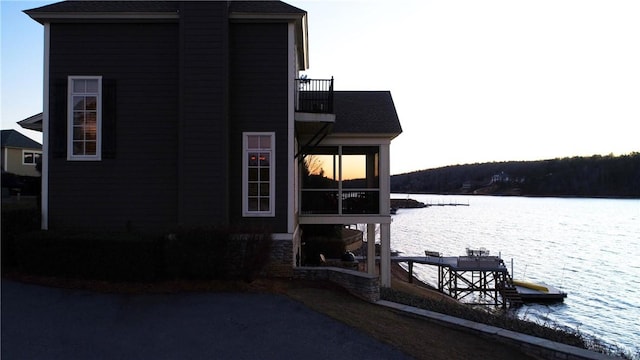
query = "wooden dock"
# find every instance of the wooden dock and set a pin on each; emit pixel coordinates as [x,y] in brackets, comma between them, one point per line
[447,204]
[486,277]
[462,277]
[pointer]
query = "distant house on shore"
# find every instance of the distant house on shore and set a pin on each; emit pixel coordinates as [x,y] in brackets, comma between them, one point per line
[162,114]
[502,177]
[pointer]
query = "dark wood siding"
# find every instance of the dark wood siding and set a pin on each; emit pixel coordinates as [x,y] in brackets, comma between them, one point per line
[259,102]
[136,182]
[203,122]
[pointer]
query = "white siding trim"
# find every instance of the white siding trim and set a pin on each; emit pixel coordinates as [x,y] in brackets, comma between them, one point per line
[365,141]
[44,208]
[345,219]
[282,237]
[385,179]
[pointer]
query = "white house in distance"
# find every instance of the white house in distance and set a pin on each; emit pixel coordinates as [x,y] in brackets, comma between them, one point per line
[20,154]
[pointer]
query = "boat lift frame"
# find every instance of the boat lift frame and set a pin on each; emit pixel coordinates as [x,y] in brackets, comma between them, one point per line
[485,282]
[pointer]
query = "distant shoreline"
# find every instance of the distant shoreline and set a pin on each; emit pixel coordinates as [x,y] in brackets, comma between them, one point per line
[528,196]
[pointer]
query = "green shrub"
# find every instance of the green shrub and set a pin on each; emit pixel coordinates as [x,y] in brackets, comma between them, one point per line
[216,253]
[16,220]
[83,255]
[255,254]
[196,253]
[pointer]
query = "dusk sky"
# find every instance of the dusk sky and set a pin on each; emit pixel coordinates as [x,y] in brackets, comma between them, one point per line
[472,81]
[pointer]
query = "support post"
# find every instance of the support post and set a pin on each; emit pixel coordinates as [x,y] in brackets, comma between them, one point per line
[371,249]
[410,272]
[385,255]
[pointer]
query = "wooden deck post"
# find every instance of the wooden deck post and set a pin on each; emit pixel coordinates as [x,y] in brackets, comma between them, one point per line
[410,272]
[385,255]
[371,249]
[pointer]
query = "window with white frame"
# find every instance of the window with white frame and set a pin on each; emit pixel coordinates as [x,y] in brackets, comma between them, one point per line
[84,130]
[342,180]
[258,174]
[30,157]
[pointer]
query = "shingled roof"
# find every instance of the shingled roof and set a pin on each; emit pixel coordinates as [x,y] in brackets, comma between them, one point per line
[365,112]
[14,139]
[104,7]
[156,7]
[263,7]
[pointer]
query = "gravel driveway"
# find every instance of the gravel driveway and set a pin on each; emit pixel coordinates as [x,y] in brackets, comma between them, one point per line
[49,323]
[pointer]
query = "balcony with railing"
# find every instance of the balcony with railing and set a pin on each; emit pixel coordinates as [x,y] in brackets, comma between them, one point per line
[314,96]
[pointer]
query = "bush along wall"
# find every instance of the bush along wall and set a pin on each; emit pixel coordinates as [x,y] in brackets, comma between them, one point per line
[216,253]
[198,253]
[14,223]
[83,255]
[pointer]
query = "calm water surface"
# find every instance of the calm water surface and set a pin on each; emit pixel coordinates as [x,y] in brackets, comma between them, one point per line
[589,248]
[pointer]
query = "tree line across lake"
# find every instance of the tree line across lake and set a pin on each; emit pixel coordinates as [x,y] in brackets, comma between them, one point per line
[595,176]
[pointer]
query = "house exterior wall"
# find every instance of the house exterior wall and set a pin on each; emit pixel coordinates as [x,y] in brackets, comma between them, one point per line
[177,98]
[12,162]
[259,103]
[136,182]
[204,146]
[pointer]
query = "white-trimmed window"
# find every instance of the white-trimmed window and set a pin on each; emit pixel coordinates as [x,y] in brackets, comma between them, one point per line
[30,157]
[84,123]
[258,174]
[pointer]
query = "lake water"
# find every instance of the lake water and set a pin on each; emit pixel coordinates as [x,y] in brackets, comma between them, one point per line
[589,248]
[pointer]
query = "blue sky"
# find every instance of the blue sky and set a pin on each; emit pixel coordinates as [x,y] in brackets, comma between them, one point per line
[472,81]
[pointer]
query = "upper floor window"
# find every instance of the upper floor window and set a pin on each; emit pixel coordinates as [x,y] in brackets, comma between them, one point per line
[258,174]
[30,157]
[84,129]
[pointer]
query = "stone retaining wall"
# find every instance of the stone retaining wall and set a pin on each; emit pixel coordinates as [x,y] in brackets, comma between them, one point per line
[360,284]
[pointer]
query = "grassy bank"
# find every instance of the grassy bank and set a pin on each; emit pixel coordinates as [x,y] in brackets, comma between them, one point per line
[421,296]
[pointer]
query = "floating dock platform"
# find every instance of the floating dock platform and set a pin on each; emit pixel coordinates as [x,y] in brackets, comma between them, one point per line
[538,292]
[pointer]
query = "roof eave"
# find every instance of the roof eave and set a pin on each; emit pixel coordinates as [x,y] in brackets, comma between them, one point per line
[47,17]
[33,122]
[386,136]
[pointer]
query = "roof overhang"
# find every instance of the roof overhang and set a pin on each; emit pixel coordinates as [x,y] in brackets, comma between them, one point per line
[47,17]
[33,122]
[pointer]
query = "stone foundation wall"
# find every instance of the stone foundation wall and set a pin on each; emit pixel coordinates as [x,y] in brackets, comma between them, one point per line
[360,284]
[281,260]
